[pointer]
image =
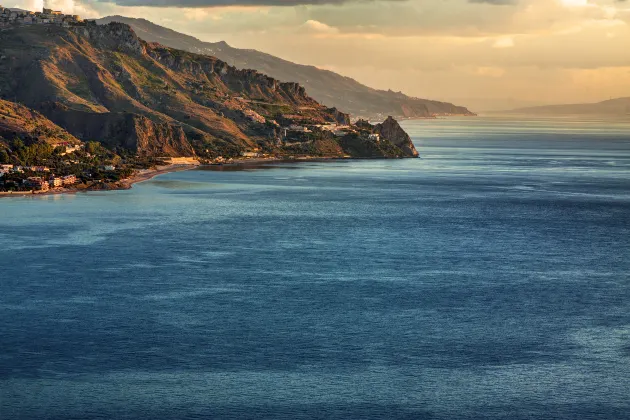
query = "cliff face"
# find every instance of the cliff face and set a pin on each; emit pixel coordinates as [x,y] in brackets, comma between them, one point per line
[125,130]
[391,131]
[101,82]
[341,118]
[160,139]
[115,36]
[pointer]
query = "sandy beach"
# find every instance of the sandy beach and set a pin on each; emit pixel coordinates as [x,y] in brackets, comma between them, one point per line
[147,174]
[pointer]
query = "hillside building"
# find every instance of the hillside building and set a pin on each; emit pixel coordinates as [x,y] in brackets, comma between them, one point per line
[69,180]
[45,17]
[37,183]
[55,182]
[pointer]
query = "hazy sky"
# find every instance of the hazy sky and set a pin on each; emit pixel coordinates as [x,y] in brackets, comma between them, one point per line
[482,53]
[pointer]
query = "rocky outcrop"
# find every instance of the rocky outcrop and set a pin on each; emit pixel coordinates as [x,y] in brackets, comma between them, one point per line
[340,117]
[364,124]
[159,139]
[124,130]
[113,36]
[391,131]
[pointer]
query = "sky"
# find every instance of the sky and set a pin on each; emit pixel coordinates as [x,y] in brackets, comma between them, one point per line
[484,54]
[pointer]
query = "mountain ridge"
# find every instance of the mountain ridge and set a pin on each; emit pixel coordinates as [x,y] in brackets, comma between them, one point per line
[325,86]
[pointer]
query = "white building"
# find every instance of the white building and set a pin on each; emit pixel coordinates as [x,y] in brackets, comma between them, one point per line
[55,182]
[69,180]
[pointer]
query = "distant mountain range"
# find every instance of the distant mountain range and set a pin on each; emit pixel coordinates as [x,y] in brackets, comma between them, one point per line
[614,107]
[325,86]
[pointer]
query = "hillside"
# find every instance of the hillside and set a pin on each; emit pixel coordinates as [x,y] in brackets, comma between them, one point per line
[102,82]
[325,86]
[612,107]
[24,123]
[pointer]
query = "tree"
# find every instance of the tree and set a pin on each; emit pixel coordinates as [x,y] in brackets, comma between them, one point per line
[17,144]
[4,156]
[59,150]
[93,147]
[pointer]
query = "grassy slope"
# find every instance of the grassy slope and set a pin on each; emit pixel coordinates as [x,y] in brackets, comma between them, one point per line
[18,120]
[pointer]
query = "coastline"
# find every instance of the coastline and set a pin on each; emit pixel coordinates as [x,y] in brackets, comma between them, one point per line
[125,184]
[147,174]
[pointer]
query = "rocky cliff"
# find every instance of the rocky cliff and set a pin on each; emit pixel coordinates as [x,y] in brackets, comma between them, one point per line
[115,36]
[129,131]
[391,131]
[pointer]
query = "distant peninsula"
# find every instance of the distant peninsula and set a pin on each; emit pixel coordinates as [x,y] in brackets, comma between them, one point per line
[611,107]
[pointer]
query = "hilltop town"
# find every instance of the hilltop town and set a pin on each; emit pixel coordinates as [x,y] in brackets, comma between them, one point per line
[45,17]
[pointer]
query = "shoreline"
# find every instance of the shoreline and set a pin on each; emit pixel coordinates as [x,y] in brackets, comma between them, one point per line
[148,174]
[125,184]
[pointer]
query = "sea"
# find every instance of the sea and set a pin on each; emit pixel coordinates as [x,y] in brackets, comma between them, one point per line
[488,279]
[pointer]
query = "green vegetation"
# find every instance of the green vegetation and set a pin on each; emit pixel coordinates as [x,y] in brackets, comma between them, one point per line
[4,156]
[90,164]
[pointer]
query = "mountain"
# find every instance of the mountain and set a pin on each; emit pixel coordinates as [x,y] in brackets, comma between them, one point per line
[104,83]
[612,107]
[325,86]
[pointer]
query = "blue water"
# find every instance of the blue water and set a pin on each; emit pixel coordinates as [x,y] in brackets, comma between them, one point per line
[488,280]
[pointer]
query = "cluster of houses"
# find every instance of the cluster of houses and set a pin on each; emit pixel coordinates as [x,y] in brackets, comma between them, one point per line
[45,17]
[336,129]
[6,169]
[39,183]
